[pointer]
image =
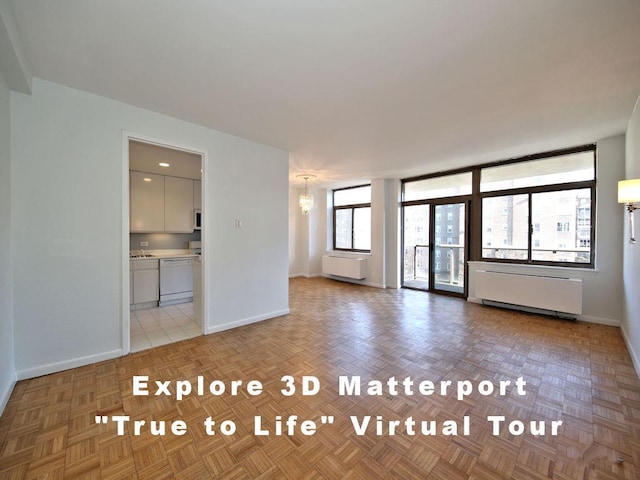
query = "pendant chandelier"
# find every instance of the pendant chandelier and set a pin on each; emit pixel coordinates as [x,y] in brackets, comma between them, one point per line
[306,200]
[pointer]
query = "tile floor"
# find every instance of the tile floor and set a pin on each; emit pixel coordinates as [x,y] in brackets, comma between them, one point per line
[157,326]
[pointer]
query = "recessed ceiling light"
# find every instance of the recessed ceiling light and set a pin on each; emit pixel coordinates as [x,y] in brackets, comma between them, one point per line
[147,179]
[163,164]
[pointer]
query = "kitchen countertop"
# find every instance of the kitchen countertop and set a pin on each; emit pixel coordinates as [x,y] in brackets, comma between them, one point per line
[161,254]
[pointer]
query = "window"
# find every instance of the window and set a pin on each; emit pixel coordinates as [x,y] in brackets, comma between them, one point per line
[438,187]
[538,209]
[551,197]
[352,218]
[555,237]
[552,170]
[515,246]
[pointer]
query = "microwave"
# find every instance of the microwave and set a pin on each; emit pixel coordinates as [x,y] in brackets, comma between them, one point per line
[197,219]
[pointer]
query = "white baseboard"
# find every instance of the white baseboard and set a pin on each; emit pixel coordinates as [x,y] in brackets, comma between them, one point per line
[4,397]
[246,321]
[66,364]
[599,320]
[305,275]
[353,280]
[582,318]
[635,358]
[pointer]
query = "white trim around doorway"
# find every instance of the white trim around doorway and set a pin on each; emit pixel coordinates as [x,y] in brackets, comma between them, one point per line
[125,314]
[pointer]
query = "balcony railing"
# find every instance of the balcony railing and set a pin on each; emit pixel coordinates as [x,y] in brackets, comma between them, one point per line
[452,261]
[582,254]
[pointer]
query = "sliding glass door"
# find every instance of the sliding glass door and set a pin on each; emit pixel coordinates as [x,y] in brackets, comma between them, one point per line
[416,257]
[434,250]
[449,247]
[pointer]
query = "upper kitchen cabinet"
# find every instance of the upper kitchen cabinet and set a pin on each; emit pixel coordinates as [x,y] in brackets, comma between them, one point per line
[178,205]
[164,202]
[146,202]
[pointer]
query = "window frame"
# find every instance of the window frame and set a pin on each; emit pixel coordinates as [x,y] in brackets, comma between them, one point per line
[530,191]
[476,197]
[353,208]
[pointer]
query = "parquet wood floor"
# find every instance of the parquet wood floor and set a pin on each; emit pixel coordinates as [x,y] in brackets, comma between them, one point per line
[575,372]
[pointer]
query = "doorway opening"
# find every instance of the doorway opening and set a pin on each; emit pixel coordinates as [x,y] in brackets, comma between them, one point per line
[163,235]
[434,247]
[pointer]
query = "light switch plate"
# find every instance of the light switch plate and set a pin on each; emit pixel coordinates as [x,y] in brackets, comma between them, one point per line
[238,223]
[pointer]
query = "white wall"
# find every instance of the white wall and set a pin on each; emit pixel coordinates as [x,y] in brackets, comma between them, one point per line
[296,244]
[7,364]
[306,244]
[67,201]
[631,253]
[378,234]
[602,287]
[393,244]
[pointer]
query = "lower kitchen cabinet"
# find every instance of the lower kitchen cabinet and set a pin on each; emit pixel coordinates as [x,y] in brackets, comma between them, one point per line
[146,281]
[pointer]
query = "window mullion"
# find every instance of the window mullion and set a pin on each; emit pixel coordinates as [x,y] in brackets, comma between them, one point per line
[353,228]
[530,245]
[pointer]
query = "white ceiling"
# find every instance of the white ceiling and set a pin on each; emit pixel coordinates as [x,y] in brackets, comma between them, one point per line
[356,89]
[147,157]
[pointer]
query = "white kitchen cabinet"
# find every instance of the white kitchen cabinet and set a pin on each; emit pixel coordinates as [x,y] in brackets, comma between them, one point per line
[178,205]
[146,281]
[146,202]
[197,194]
[197,291]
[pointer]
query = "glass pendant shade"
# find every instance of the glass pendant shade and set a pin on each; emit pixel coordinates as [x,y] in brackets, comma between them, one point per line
[306,199]
[306,203]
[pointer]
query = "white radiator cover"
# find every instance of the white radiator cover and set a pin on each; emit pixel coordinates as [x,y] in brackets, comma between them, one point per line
[355,268]
[558,294]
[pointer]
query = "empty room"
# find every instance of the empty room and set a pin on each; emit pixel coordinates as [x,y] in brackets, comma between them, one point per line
[320,240]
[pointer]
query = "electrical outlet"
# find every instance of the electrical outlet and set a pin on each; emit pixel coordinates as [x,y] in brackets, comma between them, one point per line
[144,244]
[238,223]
